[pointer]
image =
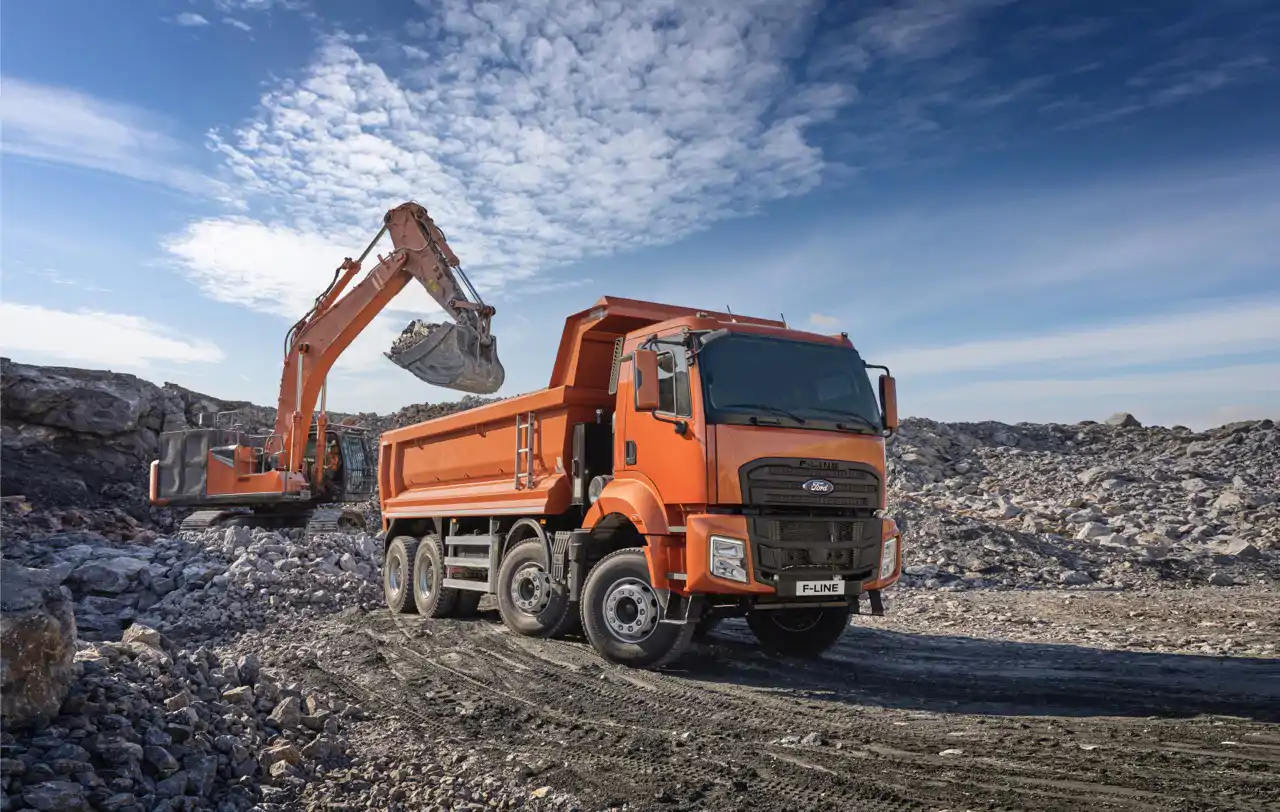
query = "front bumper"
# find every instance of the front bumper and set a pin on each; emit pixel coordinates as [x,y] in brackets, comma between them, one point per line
[775,559]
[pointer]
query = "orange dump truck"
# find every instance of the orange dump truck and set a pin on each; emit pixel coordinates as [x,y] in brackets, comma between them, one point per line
[683,466]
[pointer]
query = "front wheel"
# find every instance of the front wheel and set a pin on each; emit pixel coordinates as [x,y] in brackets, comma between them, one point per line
[528,600]
[621,614]
[799,632]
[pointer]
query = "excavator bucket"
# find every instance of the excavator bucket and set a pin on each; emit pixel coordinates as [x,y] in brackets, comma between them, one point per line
[449,355]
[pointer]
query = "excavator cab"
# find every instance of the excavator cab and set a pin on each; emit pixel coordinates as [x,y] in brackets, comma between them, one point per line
[349,460]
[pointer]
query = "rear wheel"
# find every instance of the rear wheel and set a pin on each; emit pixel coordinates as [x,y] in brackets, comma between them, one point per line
[397,574]
[433,598]
[621,614]
[528,600]
[799,632]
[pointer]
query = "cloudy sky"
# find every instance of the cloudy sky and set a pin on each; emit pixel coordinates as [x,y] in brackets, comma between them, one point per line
[1029,210]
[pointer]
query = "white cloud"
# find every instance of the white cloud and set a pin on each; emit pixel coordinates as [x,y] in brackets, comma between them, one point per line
[823,320]
[96,338]
[545,134]
[257,5]
[190,19]
[61,125]
[920,28]
[234,23]
[1174,337]
[1238,379]
[276,270]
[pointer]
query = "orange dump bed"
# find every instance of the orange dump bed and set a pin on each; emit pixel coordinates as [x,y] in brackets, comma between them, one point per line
[469,464]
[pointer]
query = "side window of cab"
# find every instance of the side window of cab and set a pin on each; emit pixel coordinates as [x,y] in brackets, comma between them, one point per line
[673,384]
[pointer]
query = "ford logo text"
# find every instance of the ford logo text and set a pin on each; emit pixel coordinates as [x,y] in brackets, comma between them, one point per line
[818,486]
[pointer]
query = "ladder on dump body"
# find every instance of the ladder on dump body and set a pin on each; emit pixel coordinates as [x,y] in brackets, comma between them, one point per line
[526,431]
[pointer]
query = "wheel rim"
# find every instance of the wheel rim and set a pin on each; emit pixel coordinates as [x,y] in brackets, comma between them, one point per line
[393,573]
[631,610]
[531,590]
[424,578]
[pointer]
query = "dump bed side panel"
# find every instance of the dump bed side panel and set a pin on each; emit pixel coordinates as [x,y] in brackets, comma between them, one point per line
[469,467]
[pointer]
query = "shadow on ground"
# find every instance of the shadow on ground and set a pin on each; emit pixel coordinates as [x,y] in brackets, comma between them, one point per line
[996,677]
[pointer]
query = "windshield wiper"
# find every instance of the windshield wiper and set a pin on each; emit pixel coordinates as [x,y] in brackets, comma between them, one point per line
[854,415]
[764,407]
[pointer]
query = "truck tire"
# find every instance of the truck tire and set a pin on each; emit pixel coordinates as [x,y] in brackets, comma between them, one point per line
[799,632]
[530,603]
[620,614]
[397,575]
[468,603]
[429,592]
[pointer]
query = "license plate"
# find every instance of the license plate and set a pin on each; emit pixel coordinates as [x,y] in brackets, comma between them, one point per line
[805,589]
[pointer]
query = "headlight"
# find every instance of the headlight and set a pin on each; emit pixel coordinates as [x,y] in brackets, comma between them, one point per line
[888,558]
[728,558]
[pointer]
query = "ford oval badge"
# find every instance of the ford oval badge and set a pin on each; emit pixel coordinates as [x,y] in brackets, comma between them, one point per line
[818,486]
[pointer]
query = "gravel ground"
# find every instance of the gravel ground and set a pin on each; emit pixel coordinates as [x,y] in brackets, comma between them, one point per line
[952,704]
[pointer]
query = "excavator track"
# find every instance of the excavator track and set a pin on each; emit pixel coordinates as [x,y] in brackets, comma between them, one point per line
[206,519]
[335,520]
[319,520]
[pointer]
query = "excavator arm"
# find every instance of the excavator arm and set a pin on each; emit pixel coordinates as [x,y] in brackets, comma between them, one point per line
[460,356]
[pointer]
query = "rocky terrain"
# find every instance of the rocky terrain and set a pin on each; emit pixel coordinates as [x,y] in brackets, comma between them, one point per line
[994,505]
[1121,570]
[84,438]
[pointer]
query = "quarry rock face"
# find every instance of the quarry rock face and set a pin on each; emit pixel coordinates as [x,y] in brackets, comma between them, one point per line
[37,645]
[84,438]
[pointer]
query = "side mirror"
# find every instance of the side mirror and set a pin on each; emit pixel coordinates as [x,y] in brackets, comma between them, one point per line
[646,380]
[889,402]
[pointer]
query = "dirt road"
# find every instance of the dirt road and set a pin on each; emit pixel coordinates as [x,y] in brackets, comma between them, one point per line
[889,720]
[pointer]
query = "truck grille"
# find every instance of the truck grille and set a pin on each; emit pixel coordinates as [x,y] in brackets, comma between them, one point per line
[819,547]
[807,530]
[853,486]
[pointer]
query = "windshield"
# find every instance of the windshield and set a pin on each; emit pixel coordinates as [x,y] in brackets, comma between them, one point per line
[748,377]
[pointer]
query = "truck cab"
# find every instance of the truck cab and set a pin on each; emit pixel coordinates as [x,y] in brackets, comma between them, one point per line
[684,466]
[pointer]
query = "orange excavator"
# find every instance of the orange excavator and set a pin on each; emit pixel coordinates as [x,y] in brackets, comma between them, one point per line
[305,471]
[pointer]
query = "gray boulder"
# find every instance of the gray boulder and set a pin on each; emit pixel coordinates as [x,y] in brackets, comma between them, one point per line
[37,645]
[1124,420]
[107,575]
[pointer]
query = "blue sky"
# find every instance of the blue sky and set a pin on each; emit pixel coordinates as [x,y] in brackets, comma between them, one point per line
[1030,210]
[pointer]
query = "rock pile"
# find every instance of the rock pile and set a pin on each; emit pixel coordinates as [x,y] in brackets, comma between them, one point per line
[208,584]
[990,504]
[414,333]
[149,726]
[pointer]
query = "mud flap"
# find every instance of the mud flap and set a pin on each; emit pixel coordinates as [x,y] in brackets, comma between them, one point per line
[452,356]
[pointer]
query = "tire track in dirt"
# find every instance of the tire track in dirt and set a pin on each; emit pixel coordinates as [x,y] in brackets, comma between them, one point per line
[706,734]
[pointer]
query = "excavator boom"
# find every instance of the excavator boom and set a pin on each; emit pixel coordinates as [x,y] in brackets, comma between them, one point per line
[461,356]
[282,478]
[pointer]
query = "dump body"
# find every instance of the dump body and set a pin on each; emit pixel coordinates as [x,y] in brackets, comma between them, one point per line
[467,464]
[739,462]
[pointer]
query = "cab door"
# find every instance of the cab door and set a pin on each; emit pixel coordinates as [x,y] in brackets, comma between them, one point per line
[652,444]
